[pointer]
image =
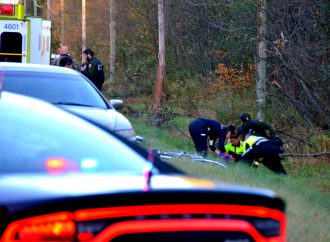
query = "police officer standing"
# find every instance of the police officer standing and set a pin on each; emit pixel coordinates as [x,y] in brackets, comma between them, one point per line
[93,68]
[206,132]
[64,53]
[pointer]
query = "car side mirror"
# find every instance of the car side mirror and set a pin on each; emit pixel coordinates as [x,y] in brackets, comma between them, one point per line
[117,103]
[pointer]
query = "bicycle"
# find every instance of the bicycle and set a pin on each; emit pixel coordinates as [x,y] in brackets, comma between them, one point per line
[166,155]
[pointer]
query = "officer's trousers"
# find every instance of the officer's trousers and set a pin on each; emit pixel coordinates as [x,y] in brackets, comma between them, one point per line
[270,154]
[198,133]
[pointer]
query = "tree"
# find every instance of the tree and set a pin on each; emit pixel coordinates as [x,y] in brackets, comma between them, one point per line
[261,59]
[113,36]
[299,58]
[83,27]
[48,9]
[63,30]
[201,35]
[161,58]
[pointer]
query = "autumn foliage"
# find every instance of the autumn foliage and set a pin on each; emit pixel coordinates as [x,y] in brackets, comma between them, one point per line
[228,78]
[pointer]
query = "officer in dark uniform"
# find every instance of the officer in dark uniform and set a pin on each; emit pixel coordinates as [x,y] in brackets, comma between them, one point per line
[206,132]
[256,127]
[265,151]
[93,68]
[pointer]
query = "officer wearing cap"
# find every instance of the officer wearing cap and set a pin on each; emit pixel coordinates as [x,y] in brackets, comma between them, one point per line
[254,127]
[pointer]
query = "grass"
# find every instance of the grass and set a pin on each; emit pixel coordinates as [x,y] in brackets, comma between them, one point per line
[306,189]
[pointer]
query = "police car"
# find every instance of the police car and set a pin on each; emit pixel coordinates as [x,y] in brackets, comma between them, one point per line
[64,179]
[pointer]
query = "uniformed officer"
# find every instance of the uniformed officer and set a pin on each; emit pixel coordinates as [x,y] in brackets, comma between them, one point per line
[264,150]
[254,127]
[93,68]
[235,147]
[207,132]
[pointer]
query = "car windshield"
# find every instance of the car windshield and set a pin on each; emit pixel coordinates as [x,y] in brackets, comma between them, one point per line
[55,88]
[42,138]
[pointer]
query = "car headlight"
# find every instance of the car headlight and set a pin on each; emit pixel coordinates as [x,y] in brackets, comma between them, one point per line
[127,133]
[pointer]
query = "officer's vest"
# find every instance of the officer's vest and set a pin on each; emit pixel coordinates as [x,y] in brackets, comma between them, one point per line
[235,149]
[254,140]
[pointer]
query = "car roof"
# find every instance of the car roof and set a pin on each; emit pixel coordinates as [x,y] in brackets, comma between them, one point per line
[12,66]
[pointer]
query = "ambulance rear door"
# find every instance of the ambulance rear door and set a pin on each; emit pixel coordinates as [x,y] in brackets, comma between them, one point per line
[45,42]
[34,45]
[14,41]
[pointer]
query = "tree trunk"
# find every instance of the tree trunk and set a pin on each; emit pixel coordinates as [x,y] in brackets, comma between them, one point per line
[113,36]
[261,60]
[48,9]
[62,23]
[83,27]
[161,58]
[35,9]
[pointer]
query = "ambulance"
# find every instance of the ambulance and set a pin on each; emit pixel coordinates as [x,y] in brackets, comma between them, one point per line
[23,38]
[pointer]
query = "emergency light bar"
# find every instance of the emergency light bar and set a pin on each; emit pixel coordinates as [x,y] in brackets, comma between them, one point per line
[7,9]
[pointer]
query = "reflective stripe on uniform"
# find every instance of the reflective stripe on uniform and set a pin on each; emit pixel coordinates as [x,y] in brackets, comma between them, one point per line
[235,149]
[253,140]
[247,151]
[259,141]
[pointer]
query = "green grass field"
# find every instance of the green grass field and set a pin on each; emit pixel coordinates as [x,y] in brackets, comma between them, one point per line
[306,188]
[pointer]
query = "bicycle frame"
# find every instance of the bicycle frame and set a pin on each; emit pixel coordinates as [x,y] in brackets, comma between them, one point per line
[171,155]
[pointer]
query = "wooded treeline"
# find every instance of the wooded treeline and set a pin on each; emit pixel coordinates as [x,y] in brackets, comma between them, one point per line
[211,48]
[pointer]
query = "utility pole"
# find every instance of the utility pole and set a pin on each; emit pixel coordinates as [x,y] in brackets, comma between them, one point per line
[161,57]
[83,27]
[35,9]
[261,59]
[25,9]
[62,22]
[48,9]
[113,36]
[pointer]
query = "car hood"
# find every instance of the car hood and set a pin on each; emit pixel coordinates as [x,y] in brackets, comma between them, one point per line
[108,117]
[20,188]
[26,187]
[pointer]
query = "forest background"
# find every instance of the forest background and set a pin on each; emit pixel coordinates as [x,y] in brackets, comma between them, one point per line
[211,60]
[211,56]
[211,66]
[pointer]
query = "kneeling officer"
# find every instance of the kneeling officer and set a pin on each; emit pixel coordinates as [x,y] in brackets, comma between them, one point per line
[206,132]
[257,148]
[235,147]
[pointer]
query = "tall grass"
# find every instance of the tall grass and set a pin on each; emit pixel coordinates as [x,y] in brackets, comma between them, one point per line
[306,188]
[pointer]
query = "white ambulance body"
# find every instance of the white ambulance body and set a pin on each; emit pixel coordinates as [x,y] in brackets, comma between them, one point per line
[23,39]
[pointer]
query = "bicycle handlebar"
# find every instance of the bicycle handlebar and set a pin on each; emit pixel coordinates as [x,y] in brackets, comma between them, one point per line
[171,155]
